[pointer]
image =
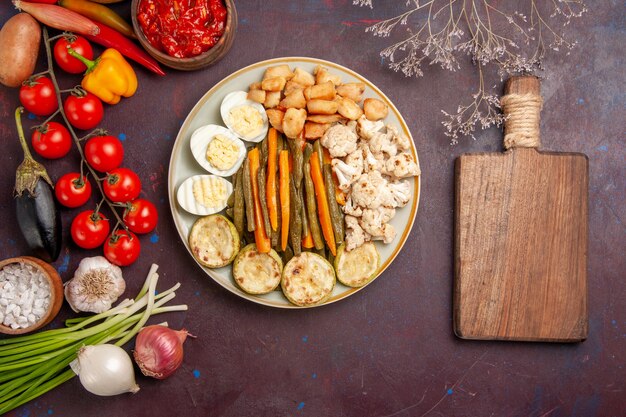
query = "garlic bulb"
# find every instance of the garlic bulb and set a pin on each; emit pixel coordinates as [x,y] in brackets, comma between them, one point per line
[105,370]
[96,285]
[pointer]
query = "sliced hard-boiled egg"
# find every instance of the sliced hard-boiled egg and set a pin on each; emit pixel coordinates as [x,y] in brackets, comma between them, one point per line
[217,149]
[245,117]
[204,194]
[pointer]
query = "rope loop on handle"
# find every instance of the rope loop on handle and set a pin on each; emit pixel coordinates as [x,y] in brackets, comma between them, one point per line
[521,128]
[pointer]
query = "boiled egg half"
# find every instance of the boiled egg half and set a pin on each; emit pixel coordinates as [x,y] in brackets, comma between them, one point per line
[246,118]
[217,149]
[204,194]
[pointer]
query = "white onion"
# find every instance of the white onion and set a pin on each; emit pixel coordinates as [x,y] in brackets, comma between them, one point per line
[105,370]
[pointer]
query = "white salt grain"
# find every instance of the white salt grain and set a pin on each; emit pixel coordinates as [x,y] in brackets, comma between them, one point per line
[24,295]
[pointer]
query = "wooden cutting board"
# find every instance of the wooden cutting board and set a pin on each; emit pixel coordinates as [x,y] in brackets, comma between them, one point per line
[521,234]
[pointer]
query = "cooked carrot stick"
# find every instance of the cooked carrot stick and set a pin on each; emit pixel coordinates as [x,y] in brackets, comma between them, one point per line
[283,187]
[322,204]
[307,240]
[272,204]
[263,244]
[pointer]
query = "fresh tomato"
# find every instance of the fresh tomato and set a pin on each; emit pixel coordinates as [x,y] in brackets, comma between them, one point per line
[89,229]
[38,96]
[122,185]
[72,191]
[83,112]
[122,248]
[141,216]
[51,141]
[67,62]
[104,153]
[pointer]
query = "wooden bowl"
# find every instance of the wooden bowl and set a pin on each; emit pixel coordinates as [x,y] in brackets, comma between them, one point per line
[203,60]
[56,293]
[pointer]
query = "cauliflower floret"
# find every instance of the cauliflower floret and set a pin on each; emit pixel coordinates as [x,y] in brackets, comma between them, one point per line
[401,166]
[366,128]
[355,236]
[375,223]
[351,209]
[401,191]
[355,160]
[381,143]
[346,174]
[371,191]
[340,140]
[401,141]
[371,162]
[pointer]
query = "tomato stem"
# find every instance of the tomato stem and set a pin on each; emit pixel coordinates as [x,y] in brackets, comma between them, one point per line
[78,91]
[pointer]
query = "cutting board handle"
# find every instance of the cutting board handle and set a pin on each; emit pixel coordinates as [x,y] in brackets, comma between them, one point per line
[521,105]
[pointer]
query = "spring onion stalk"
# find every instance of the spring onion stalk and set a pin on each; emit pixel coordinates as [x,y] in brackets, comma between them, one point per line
[34,364]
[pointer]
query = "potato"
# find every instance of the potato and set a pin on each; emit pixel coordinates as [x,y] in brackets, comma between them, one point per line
[272,98]
[19,47]
[325,118]
[275,118]
[273,84]
[325,91]
[293,122]
[315,130]
[322,106]
[278,71]
[349,109]
[292,86]
[295,100]
[353,91]
[323,76]
[254,86]
[375,109]
[303,77]
[257,95]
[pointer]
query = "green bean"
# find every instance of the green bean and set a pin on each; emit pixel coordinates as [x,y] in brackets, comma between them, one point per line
[317,147]
[287,254]
[336,216]
[311,206]
[308,150]
[263,152]
[239,210]
[296,155]
[303,214]
[263,199]
[295,218]
[247,194]
[231,200]
[229,212]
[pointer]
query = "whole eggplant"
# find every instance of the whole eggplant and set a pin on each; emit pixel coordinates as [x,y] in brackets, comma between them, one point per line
[37,214]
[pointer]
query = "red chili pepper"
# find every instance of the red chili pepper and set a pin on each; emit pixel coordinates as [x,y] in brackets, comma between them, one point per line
[43,1]
[112,39]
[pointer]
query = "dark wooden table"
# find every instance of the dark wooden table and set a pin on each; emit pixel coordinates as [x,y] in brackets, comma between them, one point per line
[388,350]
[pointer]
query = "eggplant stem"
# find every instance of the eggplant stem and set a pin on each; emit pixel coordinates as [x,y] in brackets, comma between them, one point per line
[20,133]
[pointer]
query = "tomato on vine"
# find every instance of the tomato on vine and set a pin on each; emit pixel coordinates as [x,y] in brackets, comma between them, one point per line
[67,62]
[84,110]
[89,229]
[122,248]
[72,191]
[122,185]
[51,140]
[38,96]
[104,153]
[141,216]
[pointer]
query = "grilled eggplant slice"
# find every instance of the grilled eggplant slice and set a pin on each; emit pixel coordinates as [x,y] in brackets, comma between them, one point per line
[214,241]
[357,267]
[308,279]
[256,272]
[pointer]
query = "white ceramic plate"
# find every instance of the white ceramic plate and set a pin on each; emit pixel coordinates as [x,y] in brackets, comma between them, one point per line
[207,110]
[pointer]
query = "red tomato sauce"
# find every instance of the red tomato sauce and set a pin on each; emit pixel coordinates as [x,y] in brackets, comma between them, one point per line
[182,28]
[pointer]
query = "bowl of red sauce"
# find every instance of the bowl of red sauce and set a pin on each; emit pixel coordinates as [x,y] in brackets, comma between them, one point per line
[185,34]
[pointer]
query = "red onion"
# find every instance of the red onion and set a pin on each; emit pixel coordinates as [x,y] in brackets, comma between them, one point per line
[159,350]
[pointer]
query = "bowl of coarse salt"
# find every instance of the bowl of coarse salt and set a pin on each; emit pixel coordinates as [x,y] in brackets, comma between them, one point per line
[31,294]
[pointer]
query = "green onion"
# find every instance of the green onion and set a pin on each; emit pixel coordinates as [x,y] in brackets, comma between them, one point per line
[34,364]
